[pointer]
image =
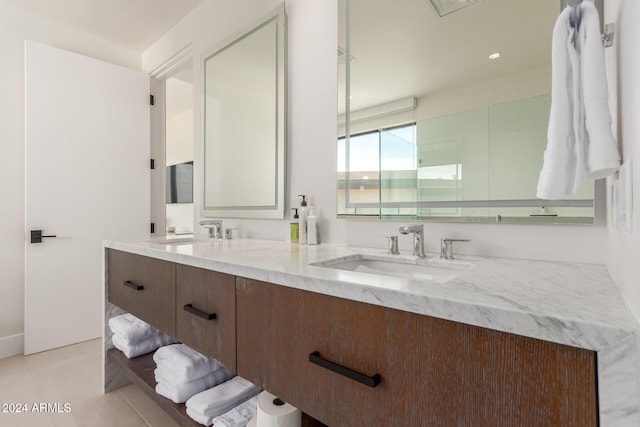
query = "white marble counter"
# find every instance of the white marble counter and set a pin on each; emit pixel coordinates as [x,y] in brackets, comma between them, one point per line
[572,304]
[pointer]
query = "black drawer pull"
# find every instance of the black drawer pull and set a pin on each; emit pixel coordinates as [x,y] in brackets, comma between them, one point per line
[206,316]
[349,373]
[130,284]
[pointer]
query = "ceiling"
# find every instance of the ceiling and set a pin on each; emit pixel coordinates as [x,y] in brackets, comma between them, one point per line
[402,48]
[135,24]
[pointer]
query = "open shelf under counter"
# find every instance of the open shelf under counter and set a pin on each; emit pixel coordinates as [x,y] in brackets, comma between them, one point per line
[139,370]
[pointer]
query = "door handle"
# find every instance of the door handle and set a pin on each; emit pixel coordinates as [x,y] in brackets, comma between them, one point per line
[36,236]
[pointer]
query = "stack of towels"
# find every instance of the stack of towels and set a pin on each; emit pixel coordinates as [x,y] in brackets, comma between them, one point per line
[135,337]
[182,372]
[230,404]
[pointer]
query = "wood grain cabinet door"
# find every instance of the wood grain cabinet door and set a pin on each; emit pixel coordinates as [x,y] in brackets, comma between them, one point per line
[279,328]
[206,313]
[144,287]
[432,371]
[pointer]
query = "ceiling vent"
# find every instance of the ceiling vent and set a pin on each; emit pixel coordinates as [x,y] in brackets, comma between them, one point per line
[445,7]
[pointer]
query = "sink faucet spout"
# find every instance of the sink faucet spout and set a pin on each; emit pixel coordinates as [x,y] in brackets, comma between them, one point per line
[418,238]
[214,226]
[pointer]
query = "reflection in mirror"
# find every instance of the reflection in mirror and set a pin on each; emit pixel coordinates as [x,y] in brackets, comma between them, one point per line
[445,117]
[243,116]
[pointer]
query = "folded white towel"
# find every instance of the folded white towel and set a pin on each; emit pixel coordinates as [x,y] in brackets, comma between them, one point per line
[182,363]
[130,329]
[198,417]
[180,392]
[238,416]
[207,405]
[144,346]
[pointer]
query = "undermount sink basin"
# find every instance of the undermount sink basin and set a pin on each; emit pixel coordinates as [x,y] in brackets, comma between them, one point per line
[433,270]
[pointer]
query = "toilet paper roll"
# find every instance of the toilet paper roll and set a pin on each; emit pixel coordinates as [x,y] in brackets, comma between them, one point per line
[273,412]
[253,422]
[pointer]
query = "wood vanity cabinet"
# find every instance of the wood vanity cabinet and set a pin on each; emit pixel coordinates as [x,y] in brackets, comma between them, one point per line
[432,371]
[144,287]
[206,312]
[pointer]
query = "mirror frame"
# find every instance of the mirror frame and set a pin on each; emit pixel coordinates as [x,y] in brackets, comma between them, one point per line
[275,210]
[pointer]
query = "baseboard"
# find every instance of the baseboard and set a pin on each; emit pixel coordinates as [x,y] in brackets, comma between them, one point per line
[11,345]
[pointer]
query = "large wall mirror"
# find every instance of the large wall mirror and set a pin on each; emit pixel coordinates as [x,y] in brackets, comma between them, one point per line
[244,122]
[443,111]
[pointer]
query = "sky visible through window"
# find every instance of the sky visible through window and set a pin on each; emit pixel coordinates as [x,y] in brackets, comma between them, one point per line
[386,150]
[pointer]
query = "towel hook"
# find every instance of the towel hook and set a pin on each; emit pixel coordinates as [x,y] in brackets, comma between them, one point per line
[608,30]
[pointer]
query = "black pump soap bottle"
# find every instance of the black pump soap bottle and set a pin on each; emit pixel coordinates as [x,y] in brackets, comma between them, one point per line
[294,228]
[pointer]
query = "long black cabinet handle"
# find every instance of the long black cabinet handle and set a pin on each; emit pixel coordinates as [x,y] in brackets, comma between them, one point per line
[349,373]
[130,284]
[206,316]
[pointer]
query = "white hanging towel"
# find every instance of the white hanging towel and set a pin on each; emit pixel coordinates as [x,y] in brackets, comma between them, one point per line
[580,142]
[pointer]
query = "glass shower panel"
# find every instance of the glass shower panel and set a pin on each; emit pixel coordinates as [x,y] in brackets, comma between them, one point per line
[398,170]
[452,158]
[517,140]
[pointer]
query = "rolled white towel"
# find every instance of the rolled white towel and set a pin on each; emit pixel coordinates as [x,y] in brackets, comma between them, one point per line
[183,363]
[145,346]
[207,405]
[238,416]
[130,329]
[180,392]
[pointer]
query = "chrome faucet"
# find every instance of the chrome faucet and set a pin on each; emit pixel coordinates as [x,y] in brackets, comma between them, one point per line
[446,247]
[418,238]
[214,226]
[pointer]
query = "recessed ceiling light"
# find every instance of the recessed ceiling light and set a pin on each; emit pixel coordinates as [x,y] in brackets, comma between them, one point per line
[494,55]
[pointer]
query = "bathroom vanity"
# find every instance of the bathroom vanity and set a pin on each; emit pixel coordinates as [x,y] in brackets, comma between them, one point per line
[502,342]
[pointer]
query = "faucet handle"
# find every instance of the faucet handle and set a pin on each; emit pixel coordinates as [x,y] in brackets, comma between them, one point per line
[446,247]
[392,248]
[228,232]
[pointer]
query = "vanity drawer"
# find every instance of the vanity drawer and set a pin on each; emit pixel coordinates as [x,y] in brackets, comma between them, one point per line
[144,287]
[206,312]
[432,371]
[279,328]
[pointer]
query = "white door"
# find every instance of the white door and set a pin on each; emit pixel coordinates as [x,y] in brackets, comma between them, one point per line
[87,179]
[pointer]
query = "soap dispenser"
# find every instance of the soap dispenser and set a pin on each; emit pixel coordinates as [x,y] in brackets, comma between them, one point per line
[312,227]
[303,219]
[294,227]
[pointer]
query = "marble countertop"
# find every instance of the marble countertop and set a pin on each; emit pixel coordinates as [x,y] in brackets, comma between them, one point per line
[566,303]
[573,304]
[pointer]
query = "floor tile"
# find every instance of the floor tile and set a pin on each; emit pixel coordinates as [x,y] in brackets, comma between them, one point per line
[63,388]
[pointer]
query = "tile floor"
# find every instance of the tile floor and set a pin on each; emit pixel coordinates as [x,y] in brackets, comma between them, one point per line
[71,375]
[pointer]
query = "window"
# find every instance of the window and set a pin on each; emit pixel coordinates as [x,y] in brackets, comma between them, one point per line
[375,168]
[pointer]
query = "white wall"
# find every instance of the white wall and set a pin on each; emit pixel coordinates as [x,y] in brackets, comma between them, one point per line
[624,65]
[16,25]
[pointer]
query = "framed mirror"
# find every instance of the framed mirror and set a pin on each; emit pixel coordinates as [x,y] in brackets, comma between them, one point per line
[443,111]
[244,133]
